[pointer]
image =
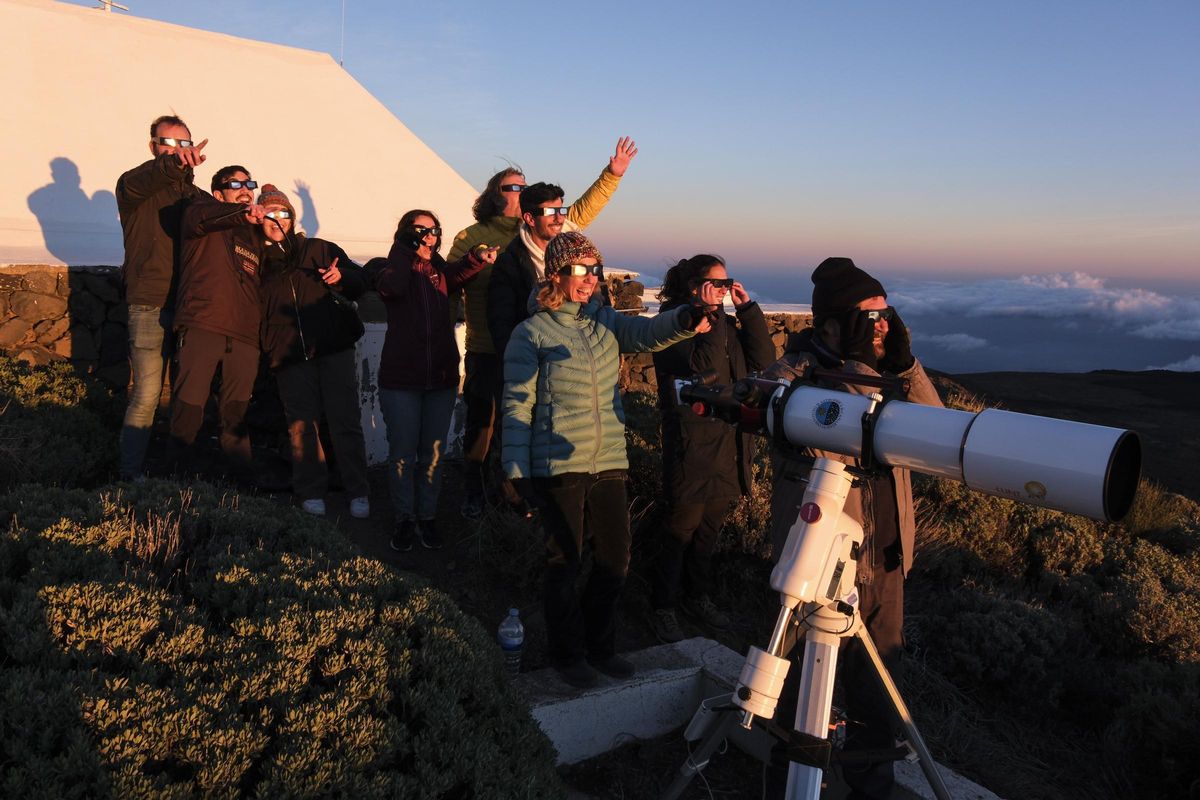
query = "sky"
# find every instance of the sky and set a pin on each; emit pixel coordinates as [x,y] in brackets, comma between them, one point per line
[923,139]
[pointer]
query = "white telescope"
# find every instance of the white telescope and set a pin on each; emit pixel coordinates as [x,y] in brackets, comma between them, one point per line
[1068,466]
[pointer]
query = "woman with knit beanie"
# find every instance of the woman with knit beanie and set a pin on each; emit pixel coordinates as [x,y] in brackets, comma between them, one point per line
[309,327]
[564,446]
[418,369]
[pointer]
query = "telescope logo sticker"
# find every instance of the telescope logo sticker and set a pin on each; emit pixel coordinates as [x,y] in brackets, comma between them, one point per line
[1035,490]
[827,412]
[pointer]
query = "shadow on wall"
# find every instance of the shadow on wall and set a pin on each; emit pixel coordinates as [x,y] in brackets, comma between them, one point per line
[77,229]
[308,220]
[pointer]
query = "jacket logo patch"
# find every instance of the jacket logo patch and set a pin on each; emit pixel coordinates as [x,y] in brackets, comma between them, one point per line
[249,259]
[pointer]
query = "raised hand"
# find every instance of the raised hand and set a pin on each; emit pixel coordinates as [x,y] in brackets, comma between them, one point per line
[626,150]
[331,274]
[255,213]
[191,156]
[741,297]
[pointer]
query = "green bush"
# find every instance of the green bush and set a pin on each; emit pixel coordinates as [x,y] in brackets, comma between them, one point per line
[165,641]
[55,427]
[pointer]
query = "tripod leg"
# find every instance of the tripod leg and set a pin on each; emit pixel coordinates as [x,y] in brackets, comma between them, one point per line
[817,672]
[910,727]
[698,760]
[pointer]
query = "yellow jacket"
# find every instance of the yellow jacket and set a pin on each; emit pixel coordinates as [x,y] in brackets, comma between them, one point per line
[498,232]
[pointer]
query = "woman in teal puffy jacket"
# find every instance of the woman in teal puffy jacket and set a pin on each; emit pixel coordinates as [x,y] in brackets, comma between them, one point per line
[564,445]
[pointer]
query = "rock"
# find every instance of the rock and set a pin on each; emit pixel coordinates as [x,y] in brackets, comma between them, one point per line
[87,309]
[81,343]
[33,307]
[40,282]
[118,312]
[12,332]
[37,356]
[10,282]
[104,286]
[49,331]
[116,375]
[114,343]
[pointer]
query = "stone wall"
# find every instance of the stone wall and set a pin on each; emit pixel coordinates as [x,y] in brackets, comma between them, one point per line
[50,313]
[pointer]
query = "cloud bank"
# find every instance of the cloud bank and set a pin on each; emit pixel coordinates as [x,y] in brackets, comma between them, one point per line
[1189,364]
[954,342]
[1139,312]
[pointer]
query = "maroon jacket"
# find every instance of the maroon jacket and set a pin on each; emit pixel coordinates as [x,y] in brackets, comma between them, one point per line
[419,350]
[218,271]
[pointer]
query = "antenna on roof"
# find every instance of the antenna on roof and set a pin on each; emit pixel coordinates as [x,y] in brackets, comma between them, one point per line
[342,56]
[109,5]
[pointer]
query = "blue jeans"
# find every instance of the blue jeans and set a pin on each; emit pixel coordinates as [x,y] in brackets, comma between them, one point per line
[417,424]
[149,352]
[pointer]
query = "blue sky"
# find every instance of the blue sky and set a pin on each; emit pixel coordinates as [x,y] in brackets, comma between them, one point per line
[947,139]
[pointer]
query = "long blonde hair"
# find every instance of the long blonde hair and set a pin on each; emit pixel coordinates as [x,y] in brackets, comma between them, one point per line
[550,296]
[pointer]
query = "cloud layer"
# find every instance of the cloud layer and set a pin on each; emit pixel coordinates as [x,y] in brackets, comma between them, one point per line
[1189,364]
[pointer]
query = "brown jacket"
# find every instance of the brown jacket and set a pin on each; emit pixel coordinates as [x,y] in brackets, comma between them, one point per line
[218,277]
[150,199]
[788,488]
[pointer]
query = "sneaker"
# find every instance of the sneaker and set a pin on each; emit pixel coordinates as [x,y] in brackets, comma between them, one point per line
[403,536]
[614,667]
[314,506]
[704,610]
[360,507]
[579,674]
[472,507]
[665,625]
[430,538]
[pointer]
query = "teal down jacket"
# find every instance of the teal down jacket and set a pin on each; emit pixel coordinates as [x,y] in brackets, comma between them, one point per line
[562,405]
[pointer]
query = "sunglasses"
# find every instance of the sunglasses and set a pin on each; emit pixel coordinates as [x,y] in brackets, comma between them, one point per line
[512,187]
[423,232]
[722,283]
[167,141]
[881,315]
[281,214]
[579,270]
[560,211]
[239,185]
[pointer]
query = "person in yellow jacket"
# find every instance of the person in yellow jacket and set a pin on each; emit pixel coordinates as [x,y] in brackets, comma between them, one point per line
[498,214]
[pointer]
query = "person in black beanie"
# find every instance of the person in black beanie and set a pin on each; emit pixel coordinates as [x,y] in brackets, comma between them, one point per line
[856,331]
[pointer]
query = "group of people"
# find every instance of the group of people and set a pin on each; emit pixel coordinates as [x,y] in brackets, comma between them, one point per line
[220,280]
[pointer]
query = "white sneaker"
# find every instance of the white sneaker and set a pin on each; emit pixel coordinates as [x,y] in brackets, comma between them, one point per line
[315,506]
[360,507]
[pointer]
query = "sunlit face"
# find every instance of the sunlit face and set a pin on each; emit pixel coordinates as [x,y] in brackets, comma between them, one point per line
[276,232]
[170,131]
[546,228]
[876,303]
[242,195]
[512,200]
[716,272]
[577,288]
[429,240]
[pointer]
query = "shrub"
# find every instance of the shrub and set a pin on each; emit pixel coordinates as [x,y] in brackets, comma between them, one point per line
[169,641]
[55,428]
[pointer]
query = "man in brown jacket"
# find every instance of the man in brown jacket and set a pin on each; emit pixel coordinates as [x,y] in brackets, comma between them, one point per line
[150,199]
[856,331]
[218,315]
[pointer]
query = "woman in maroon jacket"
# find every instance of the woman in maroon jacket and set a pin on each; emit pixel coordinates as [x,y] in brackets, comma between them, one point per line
[418,370]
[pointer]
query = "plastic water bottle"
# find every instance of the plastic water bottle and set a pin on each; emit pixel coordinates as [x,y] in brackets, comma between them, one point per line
[512,640]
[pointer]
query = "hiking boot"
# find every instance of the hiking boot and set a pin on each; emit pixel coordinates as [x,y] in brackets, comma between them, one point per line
[360,507]
[665,624]
[404,535]
[704,610]
[472,507]
[314,506]
[579,674]
[614,667]
[430,538]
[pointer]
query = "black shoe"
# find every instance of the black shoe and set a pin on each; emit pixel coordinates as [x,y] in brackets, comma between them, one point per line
[614,667]
[403,536]
[665,624]
[578,674]
[430,538]
[704,610]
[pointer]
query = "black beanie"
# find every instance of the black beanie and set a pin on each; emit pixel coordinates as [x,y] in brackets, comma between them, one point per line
[839,286]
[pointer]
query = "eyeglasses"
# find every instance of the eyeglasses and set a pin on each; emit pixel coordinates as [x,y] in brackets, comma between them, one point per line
[239,185]
[167,141]
[722,283]
[280,214]
[579,270]
[423,232]
[560,211]
[512,187]
[881,314]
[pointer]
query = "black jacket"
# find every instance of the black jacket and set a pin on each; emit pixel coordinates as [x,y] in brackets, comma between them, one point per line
[705,459]
[150,199]
[300,318]
[513,278]
[218,271]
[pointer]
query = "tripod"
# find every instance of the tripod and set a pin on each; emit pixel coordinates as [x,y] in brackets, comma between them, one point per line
[815,580]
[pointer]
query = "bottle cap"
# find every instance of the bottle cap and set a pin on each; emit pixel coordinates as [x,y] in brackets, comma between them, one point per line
[513,612]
